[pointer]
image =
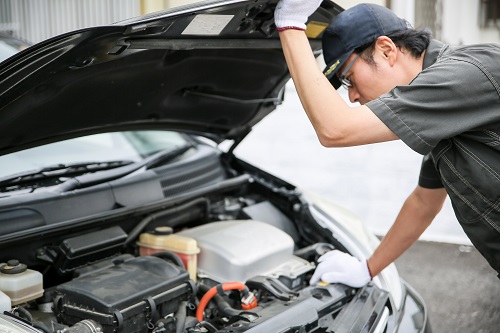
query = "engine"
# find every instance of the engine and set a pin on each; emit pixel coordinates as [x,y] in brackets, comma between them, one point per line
[223,276]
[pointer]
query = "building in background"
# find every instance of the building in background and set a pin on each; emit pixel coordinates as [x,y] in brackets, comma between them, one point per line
[452,21]
[37,20]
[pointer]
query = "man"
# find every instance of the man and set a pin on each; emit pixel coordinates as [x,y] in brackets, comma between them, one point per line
[442,101]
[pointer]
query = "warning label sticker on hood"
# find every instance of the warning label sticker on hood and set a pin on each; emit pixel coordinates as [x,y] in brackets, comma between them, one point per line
[205,24]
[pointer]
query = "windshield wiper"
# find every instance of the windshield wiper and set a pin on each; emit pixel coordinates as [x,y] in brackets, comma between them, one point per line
[57,171]
[109,175]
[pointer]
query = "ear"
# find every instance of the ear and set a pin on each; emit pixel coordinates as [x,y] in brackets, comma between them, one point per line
[387,49]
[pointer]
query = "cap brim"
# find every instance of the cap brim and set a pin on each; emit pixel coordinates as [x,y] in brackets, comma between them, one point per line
[333,67]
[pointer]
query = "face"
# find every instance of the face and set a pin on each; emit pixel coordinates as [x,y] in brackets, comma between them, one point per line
[369,80]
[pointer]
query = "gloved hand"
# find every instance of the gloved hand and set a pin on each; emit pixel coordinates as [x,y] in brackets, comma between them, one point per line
[293,14]
[339,267]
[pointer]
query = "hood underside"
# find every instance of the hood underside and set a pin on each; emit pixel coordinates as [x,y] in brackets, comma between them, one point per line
[214,68]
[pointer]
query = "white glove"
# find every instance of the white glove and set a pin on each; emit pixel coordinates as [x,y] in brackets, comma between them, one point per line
[339,267]
[293,14]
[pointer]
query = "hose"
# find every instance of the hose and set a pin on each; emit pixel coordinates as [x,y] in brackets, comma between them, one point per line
[85,326]
[144,222]
[22,313]
[220,288]
[170,256]
[224,307]
[180,316]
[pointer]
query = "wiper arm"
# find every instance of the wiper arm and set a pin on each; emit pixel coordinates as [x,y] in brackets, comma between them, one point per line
[106,176]
[59,170]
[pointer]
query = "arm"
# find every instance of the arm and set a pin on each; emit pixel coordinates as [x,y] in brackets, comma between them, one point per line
[336,123]
[417,213]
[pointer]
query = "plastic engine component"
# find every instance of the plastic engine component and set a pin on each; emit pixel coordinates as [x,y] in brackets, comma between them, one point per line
[238,250]
[130,295]
[91,247]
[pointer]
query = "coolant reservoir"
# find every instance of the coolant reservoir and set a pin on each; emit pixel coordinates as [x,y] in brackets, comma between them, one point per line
[163,240]
[19,283]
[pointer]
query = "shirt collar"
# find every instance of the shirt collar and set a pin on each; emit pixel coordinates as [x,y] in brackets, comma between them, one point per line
[432,53]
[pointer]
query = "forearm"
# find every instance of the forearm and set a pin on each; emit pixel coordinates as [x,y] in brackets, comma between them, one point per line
[336,123]
[312,86]
[417,213]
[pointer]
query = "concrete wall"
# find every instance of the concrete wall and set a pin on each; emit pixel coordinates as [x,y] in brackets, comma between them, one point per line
[458,21]
[37,20]
[404,9]
[461,23]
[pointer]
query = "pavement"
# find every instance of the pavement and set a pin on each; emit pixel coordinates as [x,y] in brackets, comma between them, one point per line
[461,290]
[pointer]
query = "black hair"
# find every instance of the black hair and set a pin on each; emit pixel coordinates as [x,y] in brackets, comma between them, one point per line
[415,41]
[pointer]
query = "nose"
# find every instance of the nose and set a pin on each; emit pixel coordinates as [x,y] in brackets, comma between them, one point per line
[353,95]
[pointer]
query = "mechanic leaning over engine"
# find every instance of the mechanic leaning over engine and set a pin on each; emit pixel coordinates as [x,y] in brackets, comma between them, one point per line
[441,100]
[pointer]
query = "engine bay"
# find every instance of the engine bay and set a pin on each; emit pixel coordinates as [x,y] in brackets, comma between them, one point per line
[237,259]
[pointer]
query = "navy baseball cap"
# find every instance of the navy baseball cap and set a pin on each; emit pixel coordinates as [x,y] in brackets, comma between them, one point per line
[355,27]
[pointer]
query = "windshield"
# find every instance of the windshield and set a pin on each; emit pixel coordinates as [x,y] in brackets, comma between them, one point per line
[10,46]
[131,146]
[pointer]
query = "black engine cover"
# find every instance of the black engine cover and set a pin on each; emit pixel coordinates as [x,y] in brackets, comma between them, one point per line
[132,294]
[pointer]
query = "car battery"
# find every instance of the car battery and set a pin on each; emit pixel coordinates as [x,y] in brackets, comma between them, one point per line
[132,294]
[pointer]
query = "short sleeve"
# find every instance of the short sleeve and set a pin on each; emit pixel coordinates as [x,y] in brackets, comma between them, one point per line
[446,99]
[429,176]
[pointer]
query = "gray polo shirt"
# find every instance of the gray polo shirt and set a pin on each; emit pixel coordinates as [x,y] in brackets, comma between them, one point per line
[450,113]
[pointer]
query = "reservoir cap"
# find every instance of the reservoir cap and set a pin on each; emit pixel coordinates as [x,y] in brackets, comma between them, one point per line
[13,266]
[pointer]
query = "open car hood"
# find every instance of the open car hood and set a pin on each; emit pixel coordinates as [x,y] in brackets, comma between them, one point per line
[214,68]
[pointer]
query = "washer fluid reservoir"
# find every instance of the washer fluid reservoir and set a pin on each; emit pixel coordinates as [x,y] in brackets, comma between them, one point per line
[19,283]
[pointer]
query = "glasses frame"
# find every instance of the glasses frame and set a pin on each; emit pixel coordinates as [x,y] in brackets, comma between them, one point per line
[343,80]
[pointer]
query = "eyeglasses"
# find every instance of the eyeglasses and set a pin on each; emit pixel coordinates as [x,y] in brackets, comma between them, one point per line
[345,81]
